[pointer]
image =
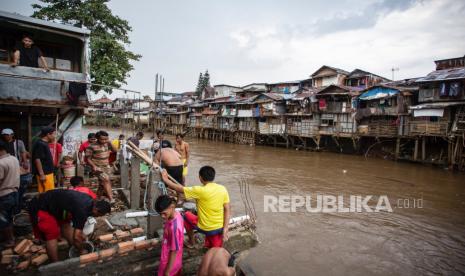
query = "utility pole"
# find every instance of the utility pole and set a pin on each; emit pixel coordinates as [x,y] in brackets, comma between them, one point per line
[155,103]
[393,70]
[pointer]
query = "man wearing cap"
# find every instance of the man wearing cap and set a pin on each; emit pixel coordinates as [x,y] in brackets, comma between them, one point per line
[42,160]
[53,211]
[27,54]
[16,148]
[9,184]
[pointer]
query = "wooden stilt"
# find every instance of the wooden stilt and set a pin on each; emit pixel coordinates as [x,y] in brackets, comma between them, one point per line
[397,148]
[423,148]
[415,153]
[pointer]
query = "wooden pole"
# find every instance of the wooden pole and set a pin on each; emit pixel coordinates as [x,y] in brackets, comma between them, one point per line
[135,183]
[397,148]
[29,130]
[415,153]
[423,148]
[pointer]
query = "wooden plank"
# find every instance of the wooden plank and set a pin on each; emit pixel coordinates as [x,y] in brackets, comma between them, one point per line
[135,183]
[124,171]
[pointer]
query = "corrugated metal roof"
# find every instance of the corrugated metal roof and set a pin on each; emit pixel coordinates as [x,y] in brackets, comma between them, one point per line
[445,74]
[348,90]
[14,17]
[338,70]
[436,105]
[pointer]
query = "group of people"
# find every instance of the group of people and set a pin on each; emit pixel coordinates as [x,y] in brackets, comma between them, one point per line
[53,210]
[19,168]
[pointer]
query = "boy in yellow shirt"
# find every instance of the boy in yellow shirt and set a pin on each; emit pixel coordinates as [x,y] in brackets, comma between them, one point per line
[212,207]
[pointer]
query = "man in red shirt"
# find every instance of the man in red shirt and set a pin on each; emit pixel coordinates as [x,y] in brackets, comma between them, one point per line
[56,150]
[91,139]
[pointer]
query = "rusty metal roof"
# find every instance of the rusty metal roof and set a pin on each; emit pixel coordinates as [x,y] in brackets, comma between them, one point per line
[445,74]
[21,19]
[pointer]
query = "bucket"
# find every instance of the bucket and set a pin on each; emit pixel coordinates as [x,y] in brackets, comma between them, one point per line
[87,245]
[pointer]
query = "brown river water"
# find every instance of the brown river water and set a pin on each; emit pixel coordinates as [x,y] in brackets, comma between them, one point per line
[407,241]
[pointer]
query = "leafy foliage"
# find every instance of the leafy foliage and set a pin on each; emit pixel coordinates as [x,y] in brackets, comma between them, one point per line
[110,61]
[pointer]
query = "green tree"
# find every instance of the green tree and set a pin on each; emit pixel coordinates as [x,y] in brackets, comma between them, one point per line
[206,79]
[198,89]
[110,62]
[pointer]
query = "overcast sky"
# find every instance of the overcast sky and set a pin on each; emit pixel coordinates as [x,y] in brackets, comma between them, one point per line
[245,41]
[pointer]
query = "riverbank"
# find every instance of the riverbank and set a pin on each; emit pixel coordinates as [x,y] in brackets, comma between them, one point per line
[408,241]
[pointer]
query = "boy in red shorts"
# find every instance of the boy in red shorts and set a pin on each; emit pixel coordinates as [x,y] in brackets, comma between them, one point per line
[212,207]
[52,212]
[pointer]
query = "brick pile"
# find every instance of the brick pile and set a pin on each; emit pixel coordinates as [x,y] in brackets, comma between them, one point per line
[23,255]
[26,254]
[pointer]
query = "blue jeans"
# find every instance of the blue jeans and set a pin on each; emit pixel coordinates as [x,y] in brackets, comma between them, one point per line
[24,182]
[8,204]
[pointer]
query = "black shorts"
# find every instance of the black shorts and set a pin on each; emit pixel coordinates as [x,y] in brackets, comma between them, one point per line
[175,172]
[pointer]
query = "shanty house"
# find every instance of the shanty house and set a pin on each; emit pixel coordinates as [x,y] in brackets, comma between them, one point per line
[270,109]
[30,97]
[363,79]
[336,110]
[328,75]
[382,110]
[441,99]
[302,116]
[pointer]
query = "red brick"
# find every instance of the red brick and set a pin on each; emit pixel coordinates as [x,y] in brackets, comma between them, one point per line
[23,246]
[105,238]
[40,259]
[8,259]
[88,258]
[107,253]
[36,248]
[23,265]
[155,242]
[122,234]
[8,251]
[137,231]
[124,247]
[143,244]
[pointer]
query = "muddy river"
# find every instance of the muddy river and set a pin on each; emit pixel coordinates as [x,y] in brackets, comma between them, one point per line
[423,233]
